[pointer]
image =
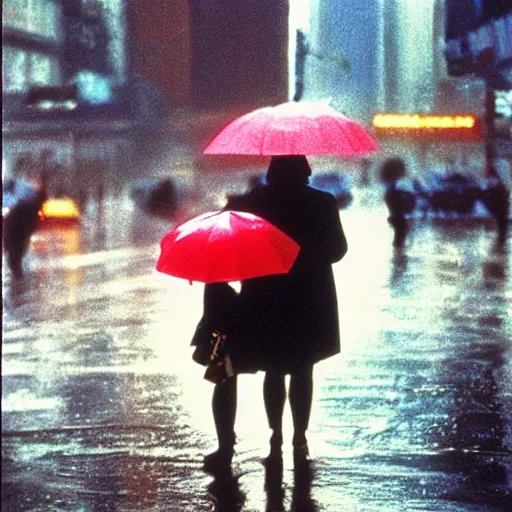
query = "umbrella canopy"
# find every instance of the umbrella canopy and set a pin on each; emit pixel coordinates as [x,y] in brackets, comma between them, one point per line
[293,128]
[226,246]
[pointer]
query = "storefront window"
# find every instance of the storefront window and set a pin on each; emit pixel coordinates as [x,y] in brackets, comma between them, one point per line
[115,16]
[42,69]
[37,16]
[14,69]
[44,18]
[15,14]
[22,69]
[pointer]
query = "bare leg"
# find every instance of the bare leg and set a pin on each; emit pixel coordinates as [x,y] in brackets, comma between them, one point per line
[274,394]
[224,412]
[301,396]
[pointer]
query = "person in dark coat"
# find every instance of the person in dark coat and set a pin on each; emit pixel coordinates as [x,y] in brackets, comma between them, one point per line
[399,202]
[19,224]
[224,317]
[220,315]
[293,318]
[496,199]
[301,52]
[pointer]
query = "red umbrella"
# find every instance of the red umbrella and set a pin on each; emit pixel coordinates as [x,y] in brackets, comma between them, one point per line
[293,128]
[226,246]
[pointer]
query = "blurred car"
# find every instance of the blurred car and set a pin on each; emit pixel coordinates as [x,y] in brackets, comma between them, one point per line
[59,210]
[336,184]
[454,194]
[156,196]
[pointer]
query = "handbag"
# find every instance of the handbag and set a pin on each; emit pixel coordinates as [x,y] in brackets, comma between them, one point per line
[220,367]
[212,354]
[211,334]
[202,339]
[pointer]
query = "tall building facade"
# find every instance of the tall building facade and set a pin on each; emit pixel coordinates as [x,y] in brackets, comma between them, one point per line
[394,56]
[31,44]
[160,47]
[478,49]
[65,101]
[212,54]
[376,55]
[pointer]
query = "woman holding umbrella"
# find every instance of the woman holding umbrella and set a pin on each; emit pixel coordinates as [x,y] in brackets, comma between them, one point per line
[293,317]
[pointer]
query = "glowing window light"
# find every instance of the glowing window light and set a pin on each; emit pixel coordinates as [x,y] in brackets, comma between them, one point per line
[424,122]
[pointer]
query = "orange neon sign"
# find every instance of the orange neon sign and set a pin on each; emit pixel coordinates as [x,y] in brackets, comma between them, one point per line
[452,125]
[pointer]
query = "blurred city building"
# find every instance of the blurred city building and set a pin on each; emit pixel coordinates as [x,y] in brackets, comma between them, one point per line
[67,112]
[212,54]
[403,57]
[478,46]
[160,45]
[100,86]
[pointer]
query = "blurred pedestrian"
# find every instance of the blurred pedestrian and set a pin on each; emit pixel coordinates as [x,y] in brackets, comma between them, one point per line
[20,222]
[101,194]
[46,169]
[496,199]
[292,319]
[163,198]
[301,52]
[366,164]
[82,198]
[25,164]
[400,202]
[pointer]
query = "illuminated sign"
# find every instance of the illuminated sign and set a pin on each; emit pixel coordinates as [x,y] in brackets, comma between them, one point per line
[458,126]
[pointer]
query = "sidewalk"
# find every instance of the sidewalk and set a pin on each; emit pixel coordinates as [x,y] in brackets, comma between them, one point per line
[103,409]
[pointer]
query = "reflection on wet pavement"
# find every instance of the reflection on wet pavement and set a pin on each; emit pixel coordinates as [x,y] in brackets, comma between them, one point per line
[103,408]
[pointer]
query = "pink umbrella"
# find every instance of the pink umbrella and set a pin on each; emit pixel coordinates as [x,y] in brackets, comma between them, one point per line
[293,128]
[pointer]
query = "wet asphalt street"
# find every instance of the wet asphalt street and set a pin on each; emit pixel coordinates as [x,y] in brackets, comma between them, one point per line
[104,410]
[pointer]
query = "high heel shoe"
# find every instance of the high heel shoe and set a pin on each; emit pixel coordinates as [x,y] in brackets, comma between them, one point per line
[301,455]
[219,460]
[275,457]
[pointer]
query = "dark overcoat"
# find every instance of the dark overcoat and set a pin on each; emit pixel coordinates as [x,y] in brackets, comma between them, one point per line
[292,318]
[222,312]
